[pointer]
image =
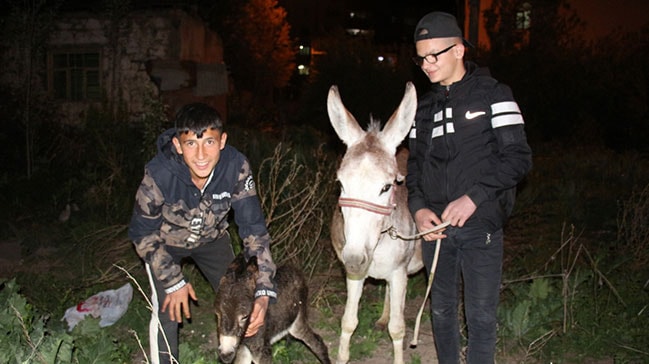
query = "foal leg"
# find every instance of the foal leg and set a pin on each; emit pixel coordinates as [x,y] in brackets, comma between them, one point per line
[350,318]
[264,355]
[397,324]
[302,331]
[244,356]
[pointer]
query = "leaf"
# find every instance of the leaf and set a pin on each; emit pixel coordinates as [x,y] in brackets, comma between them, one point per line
[540,289]
[520,319]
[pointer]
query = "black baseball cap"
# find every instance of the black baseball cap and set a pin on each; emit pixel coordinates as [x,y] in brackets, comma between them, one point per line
[439,25]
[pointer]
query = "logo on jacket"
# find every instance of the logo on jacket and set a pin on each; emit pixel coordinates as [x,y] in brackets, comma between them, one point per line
[221,196]
[249,184]
[473,114]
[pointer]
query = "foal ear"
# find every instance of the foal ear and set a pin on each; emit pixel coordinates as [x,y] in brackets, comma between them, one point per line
[252,267]
[238,264]
[400,122]
[341,119]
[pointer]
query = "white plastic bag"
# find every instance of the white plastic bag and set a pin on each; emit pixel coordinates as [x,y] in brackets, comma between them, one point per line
[110,305]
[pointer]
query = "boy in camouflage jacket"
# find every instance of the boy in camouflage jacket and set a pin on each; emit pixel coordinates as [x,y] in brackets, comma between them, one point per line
[181,211]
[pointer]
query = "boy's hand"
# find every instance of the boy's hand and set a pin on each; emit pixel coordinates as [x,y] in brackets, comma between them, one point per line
[459,211]
[258,315]
[179,300]
[426,220]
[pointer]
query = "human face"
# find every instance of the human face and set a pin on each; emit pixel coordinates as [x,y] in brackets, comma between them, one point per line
[200,154]
[449,67]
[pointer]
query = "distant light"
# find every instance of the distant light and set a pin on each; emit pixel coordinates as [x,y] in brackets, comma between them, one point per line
[380,58]
[301,47]
[303,70]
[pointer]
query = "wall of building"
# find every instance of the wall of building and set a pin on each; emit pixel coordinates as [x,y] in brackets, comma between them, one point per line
[164,55]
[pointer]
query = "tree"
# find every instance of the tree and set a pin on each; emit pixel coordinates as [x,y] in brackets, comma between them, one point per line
[546,26]
[536,49]
[26,27]
[259,50]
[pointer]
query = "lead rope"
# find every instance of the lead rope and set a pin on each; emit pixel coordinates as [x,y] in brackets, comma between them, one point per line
[392,231]
[415,335]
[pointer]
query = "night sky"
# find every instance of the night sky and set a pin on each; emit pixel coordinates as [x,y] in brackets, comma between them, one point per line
[600,17]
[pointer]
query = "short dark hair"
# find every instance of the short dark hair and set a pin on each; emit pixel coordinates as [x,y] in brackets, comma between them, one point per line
[197,117]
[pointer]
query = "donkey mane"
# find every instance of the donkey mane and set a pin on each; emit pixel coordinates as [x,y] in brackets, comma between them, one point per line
[374,125]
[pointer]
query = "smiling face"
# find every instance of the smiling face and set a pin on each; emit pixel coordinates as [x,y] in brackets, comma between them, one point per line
[200,154]
[449,67]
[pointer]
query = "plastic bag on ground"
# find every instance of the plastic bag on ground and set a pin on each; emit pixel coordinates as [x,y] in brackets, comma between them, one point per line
[109,305]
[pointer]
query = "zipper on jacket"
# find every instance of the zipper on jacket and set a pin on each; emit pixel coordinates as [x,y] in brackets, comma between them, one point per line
[447,95]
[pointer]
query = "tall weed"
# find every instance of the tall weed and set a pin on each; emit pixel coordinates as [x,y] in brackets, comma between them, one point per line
[633,230]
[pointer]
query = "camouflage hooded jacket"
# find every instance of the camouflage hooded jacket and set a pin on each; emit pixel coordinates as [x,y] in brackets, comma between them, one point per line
[171,211]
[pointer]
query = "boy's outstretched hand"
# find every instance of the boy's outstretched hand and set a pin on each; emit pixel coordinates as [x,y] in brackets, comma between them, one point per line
[179,300]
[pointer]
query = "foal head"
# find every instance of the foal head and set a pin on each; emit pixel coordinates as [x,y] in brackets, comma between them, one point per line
[233,304]
[368,175]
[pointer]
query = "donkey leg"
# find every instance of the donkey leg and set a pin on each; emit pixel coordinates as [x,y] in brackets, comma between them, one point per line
[350,318]
[397,324]
[302,331]
[382,322]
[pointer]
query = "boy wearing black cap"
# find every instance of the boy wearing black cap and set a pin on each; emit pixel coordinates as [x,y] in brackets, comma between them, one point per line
[468,151]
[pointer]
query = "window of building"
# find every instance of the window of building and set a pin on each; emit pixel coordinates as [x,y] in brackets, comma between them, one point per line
[75,76]
[304,50]
[524,16]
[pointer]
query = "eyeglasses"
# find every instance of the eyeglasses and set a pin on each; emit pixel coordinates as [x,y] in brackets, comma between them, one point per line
[430,58]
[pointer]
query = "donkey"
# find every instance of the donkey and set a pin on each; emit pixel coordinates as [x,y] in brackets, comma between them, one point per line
[373,199]
[288,315]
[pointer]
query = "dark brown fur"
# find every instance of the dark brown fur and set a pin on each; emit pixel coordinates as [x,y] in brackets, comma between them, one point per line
[288,315]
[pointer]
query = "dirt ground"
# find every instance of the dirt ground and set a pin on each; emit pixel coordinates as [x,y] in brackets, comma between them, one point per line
[423,353]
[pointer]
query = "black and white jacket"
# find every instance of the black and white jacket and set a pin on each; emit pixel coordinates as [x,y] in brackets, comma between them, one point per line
[468,138]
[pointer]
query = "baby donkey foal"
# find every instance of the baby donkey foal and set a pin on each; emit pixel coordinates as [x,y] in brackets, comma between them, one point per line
[288,315]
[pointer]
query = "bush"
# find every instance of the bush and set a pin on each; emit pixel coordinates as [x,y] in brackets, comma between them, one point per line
[26,337]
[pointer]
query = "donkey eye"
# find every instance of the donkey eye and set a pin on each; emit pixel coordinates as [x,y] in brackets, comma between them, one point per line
[386,188]
[244,318]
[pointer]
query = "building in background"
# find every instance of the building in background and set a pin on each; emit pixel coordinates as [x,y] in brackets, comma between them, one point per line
[165,54]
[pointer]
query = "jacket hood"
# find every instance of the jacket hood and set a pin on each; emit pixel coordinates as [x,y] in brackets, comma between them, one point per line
[169,158]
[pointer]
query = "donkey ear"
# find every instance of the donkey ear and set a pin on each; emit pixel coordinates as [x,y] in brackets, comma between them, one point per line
[341,119]
[238,264]
[400,122]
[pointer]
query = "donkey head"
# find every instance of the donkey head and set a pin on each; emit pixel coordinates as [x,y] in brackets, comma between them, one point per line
[367,175]
[233,305]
